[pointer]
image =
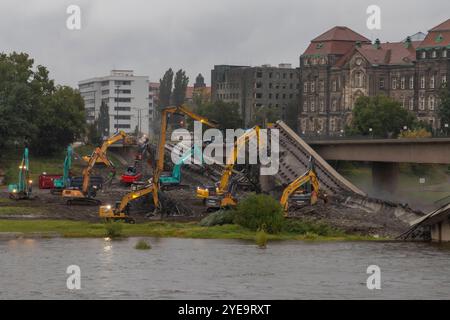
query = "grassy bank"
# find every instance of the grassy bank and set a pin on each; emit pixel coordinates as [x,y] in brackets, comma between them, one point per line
[10,161]
[79,229]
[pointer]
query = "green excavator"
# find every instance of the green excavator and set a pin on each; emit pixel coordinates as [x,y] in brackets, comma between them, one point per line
[173,180]
[64,182]
[23,189]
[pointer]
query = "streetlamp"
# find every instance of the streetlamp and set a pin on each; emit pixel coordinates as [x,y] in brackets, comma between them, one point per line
[371,132]
[446,129]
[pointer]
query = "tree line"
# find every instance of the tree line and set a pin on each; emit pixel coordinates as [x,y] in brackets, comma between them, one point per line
[34,111]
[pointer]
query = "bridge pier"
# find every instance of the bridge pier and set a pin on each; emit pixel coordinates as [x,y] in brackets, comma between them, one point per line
[385,178]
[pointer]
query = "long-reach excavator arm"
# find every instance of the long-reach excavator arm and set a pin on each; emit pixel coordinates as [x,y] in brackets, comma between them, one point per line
[84,195]
[119,213]
[222,186]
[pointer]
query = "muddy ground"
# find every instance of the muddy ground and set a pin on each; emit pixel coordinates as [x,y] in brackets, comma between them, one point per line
[48,206]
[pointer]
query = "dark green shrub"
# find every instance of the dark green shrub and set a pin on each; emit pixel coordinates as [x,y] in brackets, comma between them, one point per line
[142,245]
[260,211]
[218,218]
[113,229]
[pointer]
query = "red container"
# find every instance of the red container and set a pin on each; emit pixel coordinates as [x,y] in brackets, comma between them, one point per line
[46,180]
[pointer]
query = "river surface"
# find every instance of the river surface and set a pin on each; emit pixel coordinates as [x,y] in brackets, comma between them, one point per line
[221,269]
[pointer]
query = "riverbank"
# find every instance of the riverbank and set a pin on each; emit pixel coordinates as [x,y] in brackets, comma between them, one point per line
[81,229]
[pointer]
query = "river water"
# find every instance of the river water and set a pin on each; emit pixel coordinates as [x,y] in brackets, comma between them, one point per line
[221,269]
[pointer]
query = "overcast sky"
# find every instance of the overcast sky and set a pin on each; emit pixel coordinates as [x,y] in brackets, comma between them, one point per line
[149,36]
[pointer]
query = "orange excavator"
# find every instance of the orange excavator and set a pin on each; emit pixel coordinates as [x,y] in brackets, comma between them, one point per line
[86,195]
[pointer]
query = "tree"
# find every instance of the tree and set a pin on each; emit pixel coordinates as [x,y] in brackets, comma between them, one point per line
[180,86]
[265,115]
[444,106]
[33,110]
[103,120]
[165,89]
[60,122]
[291,116]
[380,116]
[226,114]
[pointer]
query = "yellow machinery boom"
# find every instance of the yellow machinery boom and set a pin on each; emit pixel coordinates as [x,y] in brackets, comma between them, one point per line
[293,188]
[85,196]
[222,195]
[120,211]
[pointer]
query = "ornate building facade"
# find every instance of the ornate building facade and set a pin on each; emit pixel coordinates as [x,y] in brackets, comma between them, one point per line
[341,65]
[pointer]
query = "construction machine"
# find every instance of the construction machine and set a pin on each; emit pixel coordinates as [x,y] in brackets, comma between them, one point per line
[172,179]
[153,186]
[134,173]
[221,195]
[86,194]
[303,191]
[64,182]
[23,189]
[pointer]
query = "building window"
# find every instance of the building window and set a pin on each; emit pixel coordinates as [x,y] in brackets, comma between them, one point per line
[358,79]
[434,54]
[333,105]
[122,82]
[122,117]
[305,62]
[422,82]
[394,83]
[259,74]
[332,125]
[334,88]
[381,83]
[422,103]
[402,83]
[305,106]
[444,53]
[122,99]
[321,87]
[402,99]
[444,79]
[431,102]
[321,106]
[122,126]
[305,86]
[270,96]
[432,82]
[313,86]
[258,85]
[411,82]
[259,96]
[313,106]
[423,55]
[122,108]
[411,103]
[105,83]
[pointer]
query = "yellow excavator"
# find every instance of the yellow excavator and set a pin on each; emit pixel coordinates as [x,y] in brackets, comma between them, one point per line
[221,195]
[121,210]
[305,190]
[86,194]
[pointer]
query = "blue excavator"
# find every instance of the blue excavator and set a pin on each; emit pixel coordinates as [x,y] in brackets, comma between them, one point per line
[172,180]
[64,182]
[23,189]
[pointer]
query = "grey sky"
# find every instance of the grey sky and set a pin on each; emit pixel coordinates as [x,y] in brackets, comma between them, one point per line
[150,36]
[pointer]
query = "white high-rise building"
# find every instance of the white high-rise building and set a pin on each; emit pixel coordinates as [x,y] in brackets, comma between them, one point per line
[127,98]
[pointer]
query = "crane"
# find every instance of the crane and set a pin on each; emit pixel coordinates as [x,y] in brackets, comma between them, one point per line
[64,181]
[222,194]
[120,211]
[305,190]
[23,189]
[86,195]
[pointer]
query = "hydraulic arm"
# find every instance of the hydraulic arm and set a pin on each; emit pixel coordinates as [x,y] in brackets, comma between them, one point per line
[154,185]
[23,189]
[86,195]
